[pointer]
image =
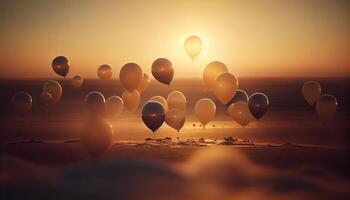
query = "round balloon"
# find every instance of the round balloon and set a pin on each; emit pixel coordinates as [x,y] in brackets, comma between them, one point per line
[60,65]
[177,100]
[95,102]
[225,87]
[55,89]
[175,118]
[153,115]
[211,71]
[114,105]
[77,81]
[205,110]
[193,46]
[104,72]
[326,106]
[239,96]
[258,104]
[144,84]
[160,100]
[311,91]
[162,70]
[22,102]
[130,76]
[45,98]
[240,113]
[96,136]
[131,100]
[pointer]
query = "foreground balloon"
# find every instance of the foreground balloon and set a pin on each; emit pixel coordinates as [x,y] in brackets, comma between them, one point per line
[311,91]
[153,115]
[96,136]
[55,89]
[77,81]
[193,46]
[162,70]
[211,71]
[144,83]
[205,110]
[131,100]
[45,98]
[240,96]
[176,100]
[22,102]
[160,100]
[240,113]
[60,65]
[95,102]
[258,104]
[175,118]
[130,76]
[114,106]
[326,106]
[104,72]
[225,87]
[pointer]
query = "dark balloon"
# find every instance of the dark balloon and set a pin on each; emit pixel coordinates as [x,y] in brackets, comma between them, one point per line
[95,102]
[60,65]
[22,102]
[153,115]
[239,96]
[162,70]
[258,104]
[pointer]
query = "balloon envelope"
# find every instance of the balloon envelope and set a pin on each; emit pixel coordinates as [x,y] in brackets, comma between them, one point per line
[225,87]
[131,100]
[144,83]
[326,106]
[45,98]
[160,100]
[205,110]
[55,89]
[211,71]
[153,115]
[162,70]
[311,91]
[175,118]
[105,72]
[258,104]
[240,113]
[60,65]
[95,102]
[130,76]
[22,102]
[114,105]
[177,100]
[239,96]
[193,46]
[77,81]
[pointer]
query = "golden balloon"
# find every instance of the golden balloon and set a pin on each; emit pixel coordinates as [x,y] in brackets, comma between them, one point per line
[205,110]
[77,81]
[175,118]
[225,87]
[131,100]
[144,84]
[105,72]
[55,89]
[193,46]
[211,71]
[177,100]
[162,70]
[130,76]
[240,113]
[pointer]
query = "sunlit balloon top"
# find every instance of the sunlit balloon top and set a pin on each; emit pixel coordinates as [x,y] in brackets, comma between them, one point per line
[193,46]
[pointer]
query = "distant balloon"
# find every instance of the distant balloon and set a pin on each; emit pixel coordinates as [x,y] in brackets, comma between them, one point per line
[60,65]
[95,102]
[211,71]
[177,100]
[239,96]
[144,83]
[225,87]
[153,115]
[193,46]
[45,98]
[131,100]
[175,118]
[105,72]
[240,113]
[96,136]
[77,81]
[205,110]
[114,105]
[258,104]
[22,102]
[130,76]
[161,100]
[162,70]
[55,89]
[326,106]
[311,91]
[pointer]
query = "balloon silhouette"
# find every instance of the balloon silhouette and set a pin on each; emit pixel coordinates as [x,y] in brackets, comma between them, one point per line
[225,87]
[193,46]
[95,102]
[162,101]
[153,115]
[96,136]
[21,102]
[311,91]
[130,76]
[211,71]
[45,98]
[258,104]
[77,81]
[175,118]
[177,100]
[144,84]
[104,72]
[326,106]
[205,110]
[240,113]
[60,65]
[131,100]
[162,70]
[239,96]
[55,89]
[114,105]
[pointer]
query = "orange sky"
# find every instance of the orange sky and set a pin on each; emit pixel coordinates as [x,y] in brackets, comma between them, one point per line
[254,38]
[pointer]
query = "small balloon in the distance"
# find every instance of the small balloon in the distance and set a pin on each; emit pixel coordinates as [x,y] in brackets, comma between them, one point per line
[95,102]
[104,72]
[240,96]
[153,115]
[60,65]
[77,81]
[311,91]
[22,102]
[258,104]
[326,106]
[162,70]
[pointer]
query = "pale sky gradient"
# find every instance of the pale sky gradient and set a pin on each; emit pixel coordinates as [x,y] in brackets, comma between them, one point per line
[254,38]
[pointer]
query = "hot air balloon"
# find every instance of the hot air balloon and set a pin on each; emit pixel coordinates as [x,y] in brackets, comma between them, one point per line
[225,87]
[114,105]
[160,100]
[240,96]
[193,46]
[205,110]
[258,104]
[175,118]
[104,72]
[211,71]
[60,65]
[95,102]
[22,102]
[153,115]
[131,100]
[177,100]
[144,84]
[240,112]
[326,106]
[162,70]
[77,81]
[130,76]
[55,89]
[311,91]
[45,98]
